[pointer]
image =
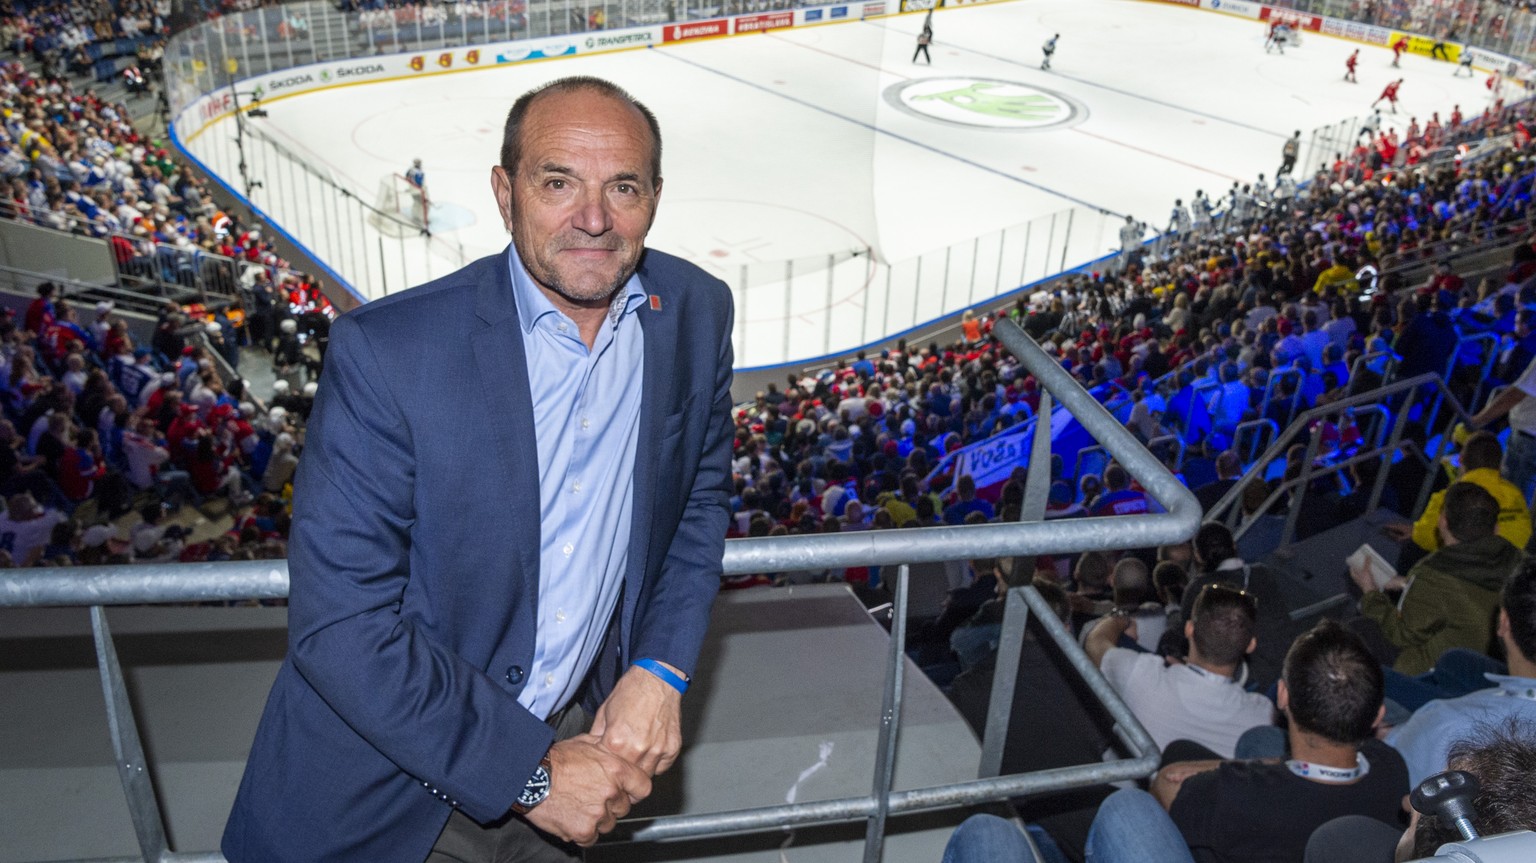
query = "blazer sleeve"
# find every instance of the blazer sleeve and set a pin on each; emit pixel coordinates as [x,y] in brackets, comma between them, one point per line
[441,720]
[676,613]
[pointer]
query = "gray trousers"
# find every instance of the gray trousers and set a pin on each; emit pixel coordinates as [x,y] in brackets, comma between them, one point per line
[511,840]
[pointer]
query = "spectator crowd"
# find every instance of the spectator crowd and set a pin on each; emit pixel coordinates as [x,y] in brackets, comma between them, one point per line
[1271,301]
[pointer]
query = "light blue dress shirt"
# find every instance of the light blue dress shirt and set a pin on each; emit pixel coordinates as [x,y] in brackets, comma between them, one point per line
[586,419]
[1426,738]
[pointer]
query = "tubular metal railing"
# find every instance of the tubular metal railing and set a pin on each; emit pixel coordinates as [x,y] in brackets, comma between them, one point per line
[1400,395]
[98,587]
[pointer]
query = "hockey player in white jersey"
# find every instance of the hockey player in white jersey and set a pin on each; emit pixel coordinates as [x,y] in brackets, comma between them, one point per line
[1048,49]
[1200,211]
[1285,190]
[1178,220]
[1131,233]
[1261,194]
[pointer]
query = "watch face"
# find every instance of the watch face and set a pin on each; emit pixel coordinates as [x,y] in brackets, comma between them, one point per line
[536,790]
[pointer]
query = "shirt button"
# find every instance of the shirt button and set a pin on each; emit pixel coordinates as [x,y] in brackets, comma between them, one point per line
[515,674]
[568,549]
[560,617]
[549,680]
[576,486]
[586,423]
[562,327]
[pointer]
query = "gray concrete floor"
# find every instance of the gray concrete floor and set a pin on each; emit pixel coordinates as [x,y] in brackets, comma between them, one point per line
[785,671]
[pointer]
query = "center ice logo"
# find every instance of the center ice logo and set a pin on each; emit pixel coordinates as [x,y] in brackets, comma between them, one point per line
[988,103]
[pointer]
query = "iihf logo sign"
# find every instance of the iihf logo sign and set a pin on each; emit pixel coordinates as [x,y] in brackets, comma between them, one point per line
[987,103]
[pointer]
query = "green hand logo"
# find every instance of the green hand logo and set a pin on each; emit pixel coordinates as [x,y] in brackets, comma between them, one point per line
[976,98]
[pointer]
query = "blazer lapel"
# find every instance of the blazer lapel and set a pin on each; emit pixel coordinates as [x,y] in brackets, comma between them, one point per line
[502,366]
[658,319]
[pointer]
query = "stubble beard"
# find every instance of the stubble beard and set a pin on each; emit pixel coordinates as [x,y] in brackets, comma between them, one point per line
[550,278]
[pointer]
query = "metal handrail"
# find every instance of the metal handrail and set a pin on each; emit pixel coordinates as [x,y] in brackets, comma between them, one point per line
[1277,449]
[113,585]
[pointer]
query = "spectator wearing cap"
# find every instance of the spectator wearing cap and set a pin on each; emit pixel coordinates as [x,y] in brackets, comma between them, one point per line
[101,326]
[281,466]
[1200,700]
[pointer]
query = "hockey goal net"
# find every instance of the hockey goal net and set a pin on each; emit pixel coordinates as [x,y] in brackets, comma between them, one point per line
[400,208]
[1293,22]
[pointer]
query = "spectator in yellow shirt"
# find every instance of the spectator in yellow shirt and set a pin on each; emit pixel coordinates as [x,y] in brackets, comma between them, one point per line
[1480,458]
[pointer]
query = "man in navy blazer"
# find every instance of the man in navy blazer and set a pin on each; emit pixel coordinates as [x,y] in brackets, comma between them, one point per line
[576,386]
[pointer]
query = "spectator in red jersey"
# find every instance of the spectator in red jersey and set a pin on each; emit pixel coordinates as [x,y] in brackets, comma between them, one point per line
[81,466]
[40,310]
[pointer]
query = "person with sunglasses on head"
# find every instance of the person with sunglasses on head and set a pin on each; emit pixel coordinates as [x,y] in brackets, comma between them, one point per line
[1199,700]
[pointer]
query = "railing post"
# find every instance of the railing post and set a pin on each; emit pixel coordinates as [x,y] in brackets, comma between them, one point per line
[132,766]
[890,722]
[944,290]
[789,289]
[1066,241]
[1005,676]
[826,328]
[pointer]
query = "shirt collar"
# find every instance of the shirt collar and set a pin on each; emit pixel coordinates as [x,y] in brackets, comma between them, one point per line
[1511,684]
[532,304]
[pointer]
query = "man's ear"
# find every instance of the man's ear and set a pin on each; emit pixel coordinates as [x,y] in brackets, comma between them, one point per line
[501,188]
[1253,644]
[1189,630]
[1282,696]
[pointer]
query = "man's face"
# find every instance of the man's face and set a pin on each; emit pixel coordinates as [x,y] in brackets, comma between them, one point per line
[582,196]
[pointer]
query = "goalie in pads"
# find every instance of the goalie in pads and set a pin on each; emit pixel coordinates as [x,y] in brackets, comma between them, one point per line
[417,178]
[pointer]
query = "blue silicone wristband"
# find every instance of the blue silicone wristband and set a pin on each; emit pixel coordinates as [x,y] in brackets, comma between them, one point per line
[672,679]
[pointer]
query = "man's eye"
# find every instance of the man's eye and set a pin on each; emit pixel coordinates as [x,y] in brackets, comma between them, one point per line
[556,184]
[625,189]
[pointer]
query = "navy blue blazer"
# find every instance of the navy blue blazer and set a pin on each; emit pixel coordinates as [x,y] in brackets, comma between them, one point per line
[414,563]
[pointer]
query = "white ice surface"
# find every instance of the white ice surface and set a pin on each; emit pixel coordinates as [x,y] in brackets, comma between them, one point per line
[782,146]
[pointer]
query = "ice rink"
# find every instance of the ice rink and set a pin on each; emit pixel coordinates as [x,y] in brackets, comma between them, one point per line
[807,145]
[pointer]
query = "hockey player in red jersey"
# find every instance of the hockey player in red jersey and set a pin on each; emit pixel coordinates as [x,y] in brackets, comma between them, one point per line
[1398,48]
[1349,67]
[1389,95]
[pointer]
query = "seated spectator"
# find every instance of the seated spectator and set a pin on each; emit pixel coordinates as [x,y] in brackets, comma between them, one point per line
[965,488]
[1135,597]
[1118,497]
[26,528]
[1480,459]
[1501,757]
[1450,596]
[1424,740]
[1199,700]
[1229,468]
[1216,561]
[1262,811]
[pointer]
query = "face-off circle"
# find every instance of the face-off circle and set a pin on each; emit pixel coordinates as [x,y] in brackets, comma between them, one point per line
[986,103]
